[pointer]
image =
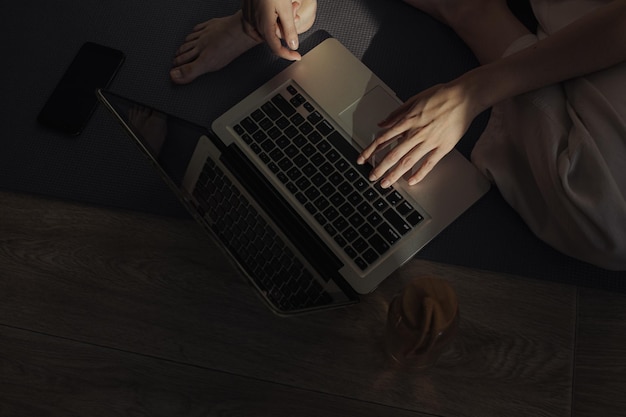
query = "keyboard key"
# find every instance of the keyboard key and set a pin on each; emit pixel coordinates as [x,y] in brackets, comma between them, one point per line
[388,233]
[291,151]
[317,159]
[283,105]
[309,169]
[379,244]
[350,234]
[301,160]
[257,115]
[340,240]
[366,230]
[273,167]
[303,183]
[274,132]
[265,123]
[333,155]
[327,169]
[345,188]
[314,137]
[346,209]
[356,220]
[340,224]
[405,208]
[294,173]
[297,100]
[271,111]
[361,263]
[277,155]
[360,245]
[321,203]
[324,127]
[330,229]
[282,122]
[380,205]
[308,150]
[300,141]
[355,198]
[268,145]
[297,119]
[291,131]
[335,178]
[246,138]
[331,213]
[306,128]
[396,221]
[312,193]
[360,184]
[414,218]
[370,256]
[310,208]
[282,142]
[320,219]
[327,189]
[323,146]
[364,208]
[394,198]
[342,165]
[318,179]
[285,164]
[259,136]
[315,117]
[351,175]
[350,252]
[337,199]
[249,125]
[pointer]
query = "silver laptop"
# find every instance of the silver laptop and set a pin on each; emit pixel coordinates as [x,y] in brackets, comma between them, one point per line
[275,181]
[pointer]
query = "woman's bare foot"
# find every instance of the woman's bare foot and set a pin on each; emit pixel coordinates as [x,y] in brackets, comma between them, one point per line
[211,46]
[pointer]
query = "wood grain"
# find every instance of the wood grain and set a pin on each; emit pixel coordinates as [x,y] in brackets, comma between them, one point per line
[49,376]
[158,287]
[600,378]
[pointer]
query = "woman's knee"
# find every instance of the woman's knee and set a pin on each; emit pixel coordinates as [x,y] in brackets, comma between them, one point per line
[307,12]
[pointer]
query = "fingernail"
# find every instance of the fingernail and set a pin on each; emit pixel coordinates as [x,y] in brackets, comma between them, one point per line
[293,44]
[412,181]
[385,184]
[360,160]
[175,73]
[372,178]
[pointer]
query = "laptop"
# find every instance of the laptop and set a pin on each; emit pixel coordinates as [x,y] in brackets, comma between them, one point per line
[275,182]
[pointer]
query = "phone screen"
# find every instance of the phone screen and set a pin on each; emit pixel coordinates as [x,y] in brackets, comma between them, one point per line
[74,100]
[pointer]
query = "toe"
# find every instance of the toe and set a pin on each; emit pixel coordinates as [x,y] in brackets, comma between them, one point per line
[183,74]
[185,56]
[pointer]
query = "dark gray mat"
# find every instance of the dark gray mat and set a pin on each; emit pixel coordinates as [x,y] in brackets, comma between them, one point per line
[406,48]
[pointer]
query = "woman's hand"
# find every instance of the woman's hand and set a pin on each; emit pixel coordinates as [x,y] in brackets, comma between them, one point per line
[271,21]
[426,127]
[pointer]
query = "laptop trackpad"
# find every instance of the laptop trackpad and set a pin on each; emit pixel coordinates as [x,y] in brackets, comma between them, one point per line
[361,117]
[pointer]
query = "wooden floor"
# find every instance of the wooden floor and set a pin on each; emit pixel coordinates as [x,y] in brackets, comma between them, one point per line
[113,313]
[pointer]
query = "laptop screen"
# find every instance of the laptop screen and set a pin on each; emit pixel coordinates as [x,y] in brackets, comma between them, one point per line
[170,141]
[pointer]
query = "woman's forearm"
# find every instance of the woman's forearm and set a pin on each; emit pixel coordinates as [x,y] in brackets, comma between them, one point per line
[592,43]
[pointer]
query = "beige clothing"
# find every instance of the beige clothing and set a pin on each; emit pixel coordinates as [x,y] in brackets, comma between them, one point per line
[558,154]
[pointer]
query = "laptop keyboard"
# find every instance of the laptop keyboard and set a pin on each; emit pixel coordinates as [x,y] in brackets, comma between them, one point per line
[282,278]
[318,167]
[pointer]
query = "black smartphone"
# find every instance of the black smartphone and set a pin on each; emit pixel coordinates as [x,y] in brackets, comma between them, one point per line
[74,100]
